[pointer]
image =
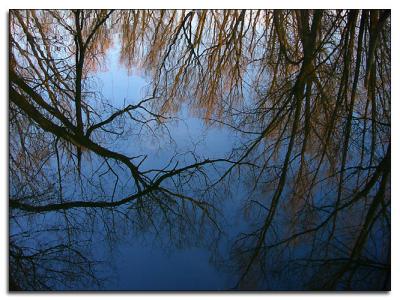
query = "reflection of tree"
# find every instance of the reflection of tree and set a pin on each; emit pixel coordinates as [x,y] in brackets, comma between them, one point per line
[339,137]
[310,91]
[307,91]
[52,106]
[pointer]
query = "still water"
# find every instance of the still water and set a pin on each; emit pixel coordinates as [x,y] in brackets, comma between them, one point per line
[199,150]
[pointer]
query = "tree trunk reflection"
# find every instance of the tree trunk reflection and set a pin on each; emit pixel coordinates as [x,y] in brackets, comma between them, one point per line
[305,95]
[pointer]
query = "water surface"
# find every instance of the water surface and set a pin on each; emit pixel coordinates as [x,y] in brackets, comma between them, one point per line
[199,150]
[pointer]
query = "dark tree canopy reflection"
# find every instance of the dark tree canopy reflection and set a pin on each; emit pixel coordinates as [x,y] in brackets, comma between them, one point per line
[306,93]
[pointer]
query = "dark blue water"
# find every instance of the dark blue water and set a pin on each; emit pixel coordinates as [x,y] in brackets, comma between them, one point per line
[151,247]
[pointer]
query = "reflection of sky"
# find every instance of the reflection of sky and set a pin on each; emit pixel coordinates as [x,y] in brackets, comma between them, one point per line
[141,265]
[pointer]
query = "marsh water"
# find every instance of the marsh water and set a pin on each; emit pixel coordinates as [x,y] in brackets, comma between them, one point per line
[199,150]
